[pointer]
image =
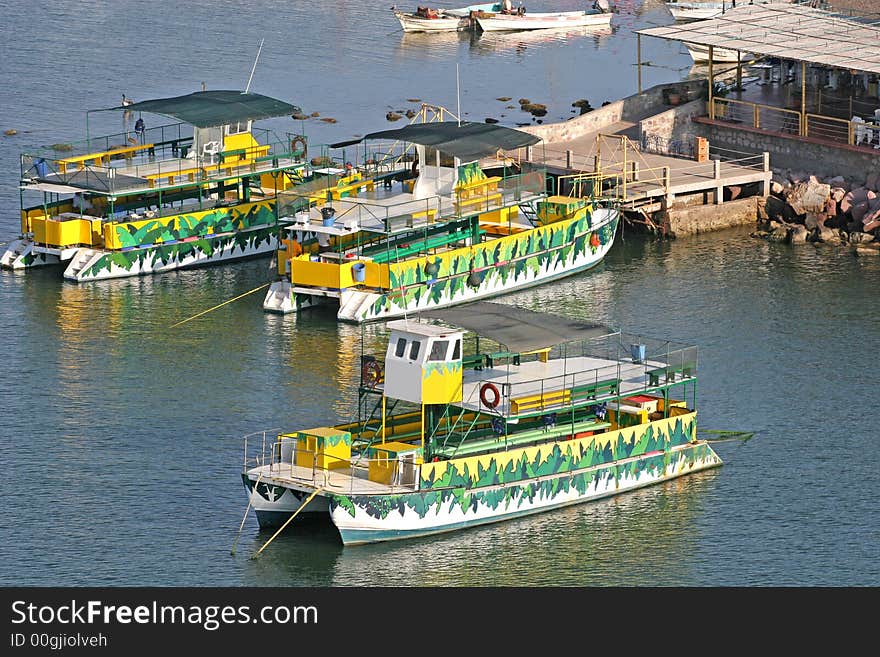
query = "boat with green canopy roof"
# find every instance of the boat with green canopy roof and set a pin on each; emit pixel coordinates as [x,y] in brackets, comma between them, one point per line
[475,219]
[198,191]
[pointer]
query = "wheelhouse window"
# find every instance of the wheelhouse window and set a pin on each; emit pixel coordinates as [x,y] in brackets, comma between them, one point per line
[438,350]
[456,350]
[414,350]
[400,349]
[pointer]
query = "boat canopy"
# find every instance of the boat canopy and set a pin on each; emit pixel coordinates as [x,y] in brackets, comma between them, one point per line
[207,109]
[466,141]
[518,329]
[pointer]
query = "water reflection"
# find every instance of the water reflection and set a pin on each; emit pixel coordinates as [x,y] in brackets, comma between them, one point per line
[520,42]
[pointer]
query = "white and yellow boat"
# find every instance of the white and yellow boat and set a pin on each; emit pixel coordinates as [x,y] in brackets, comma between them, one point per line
[536,413]
[196,192]
[470,224]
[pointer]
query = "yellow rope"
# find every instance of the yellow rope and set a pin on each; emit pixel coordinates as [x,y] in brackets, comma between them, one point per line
[205,312]
[287,522]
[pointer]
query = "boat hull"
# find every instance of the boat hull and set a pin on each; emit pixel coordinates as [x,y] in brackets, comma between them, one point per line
[87,264]
[701,54]
[505,23]
[413,23]
[503,485]
[533,258]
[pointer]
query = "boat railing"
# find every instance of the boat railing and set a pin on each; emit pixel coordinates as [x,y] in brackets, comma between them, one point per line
[172,134]
[525,185]
[255,447]
[286,458]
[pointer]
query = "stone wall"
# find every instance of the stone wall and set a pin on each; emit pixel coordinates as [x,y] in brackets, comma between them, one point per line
[696,219]
[674,123]
[793,152]
[631,108]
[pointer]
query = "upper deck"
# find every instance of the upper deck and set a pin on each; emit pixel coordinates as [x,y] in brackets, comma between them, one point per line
[157,159]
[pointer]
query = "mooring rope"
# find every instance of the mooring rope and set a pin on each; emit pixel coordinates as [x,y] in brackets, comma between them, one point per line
[287,522]
[205,312]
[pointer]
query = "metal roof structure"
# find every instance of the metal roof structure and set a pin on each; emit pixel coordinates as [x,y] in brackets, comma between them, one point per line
[786,31]
[207,109]
[466,141]
[518,329]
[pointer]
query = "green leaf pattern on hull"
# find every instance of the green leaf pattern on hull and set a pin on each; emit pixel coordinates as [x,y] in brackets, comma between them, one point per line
[196,224]
[162,255]
[509,260]
[459,482]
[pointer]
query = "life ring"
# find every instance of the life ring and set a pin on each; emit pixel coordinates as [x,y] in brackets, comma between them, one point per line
[301,141]
[484,395]
[371,373]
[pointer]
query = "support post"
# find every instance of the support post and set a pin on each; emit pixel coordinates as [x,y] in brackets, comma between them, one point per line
[568,159]
[803,98]
[639,60]
[711,83]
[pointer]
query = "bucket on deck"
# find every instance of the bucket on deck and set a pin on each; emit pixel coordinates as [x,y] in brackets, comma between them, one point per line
[637,351]
[328,214]
[359,272]
[41,167]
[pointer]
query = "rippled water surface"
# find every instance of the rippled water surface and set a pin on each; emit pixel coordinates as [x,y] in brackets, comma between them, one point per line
[122,434]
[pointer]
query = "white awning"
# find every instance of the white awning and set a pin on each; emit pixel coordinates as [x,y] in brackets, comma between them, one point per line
[786,31]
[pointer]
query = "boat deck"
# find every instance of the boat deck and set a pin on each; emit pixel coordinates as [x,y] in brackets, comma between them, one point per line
[343,480]
[542,386]
[380,211]
[149,175]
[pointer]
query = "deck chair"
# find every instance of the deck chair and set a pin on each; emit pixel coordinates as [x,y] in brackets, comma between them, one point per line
[211,149]
[859,130]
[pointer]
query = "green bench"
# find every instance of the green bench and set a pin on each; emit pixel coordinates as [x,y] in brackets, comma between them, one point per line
[595,389]
[668,373]
[478,361]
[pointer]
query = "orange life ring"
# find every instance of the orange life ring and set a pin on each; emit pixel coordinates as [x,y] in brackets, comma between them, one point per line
[301,141]
[496,396]
[371,373]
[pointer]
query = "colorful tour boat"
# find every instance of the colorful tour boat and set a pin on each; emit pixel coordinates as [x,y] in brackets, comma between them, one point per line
[494,413]
[195,192]
[469,221]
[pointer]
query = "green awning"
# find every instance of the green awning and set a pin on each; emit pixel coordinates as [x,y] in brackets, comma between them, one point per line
[467,141]
[207,109]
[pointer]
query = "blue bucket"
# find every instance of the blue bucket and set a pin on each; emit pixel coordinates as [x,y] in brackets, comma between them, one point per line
[637,351]
[359,271]
[328,215]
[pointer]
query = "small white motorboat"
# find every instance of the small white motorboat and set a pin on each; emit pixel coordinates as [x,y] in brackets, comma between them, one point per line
[599,15]
[700,53]
[695,11]
[426,19]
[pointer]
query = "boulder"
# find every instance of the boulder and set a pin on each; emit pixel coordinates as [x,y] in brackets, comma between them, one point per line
[813,220]
[798,235]
[808,197]
[859,210]
[828,235]
[837,193]
[776,188]
[868,249]
[779,234]
[860,238]
[871,181]
[836,181]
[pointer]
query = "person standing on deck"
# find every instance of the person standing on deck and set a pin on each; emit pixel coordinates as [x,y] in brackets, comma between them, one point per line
[140,129]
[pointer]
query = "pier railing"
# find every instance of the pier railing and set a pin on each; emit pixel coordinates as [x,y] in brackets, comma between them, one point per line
[853,132]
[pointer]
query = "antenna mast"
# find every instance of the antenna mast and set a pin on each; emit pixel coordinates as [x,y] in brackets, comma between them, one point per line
[247,88]
[457,95]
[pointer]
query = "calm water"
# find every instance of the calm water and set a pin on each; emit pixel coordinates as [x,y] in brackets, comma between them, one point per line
[122,435]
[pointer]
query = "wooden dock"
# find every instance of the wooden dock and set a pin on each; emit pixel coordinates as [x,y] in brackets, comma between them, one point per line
[649,181]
